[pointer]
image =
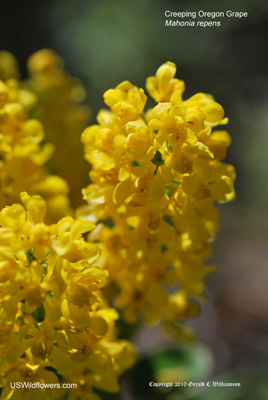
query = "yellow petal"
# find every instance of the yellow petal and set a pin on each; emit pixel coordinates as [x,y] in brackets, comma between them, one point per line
[222,137]
[120,144]
[122,191]
[81,226]
[35,205]
[203,168]
[214,112]
[61,361]
[190,184]
[98,326]
[157,189]
[157,295]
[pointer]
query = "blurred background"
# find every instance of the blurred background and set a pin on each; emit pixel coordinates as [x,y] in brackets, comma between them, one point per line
[107,41]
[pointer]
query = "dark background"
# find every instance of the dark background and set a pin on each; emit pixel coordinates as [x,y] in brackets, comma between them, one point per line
[105,42]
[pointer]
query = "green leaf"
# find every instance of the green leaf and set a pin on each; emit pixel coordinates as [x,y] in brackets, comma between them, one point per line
[157,160]
[173,364]
[193,363]
[39,314]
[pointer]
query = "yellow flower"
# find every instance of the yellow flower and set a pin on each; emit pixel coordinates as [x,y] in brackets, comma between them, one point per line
[8,66]
[51,313]
[155,179]
[22,151]
[60,110]
[126,101]
[163,85]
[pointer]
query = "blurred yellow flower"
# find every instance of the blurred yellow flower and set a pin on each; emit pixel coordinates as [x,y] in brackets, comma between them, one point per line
[23,152]
[60,110]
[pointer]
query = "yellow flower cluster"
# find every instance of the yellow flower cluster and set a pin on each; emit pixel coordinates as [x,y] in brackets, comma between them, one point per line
[53,326]
[155,178]
[60,110]
[22,151]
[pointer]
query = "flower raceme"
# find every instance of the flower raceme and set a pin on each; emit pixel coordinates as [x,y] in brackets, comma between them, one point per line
[22,151]
[156,176]
[50,103]
[53,324]
[60,110]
